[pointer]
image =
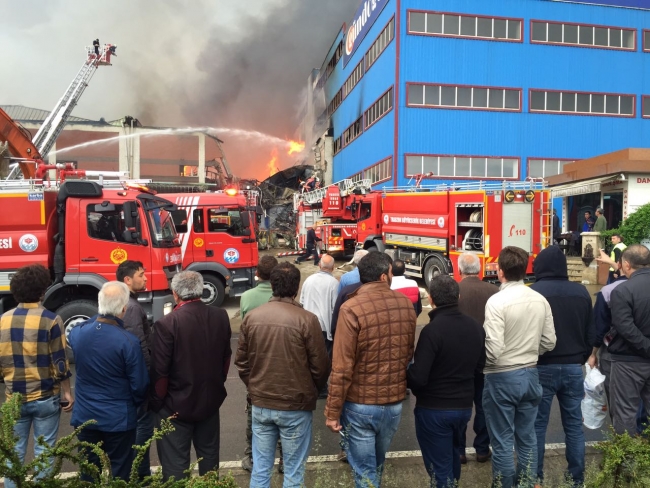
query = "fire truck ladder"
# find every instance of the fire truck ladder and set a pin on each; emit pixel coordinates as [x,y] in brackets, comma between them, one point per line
[529,184]
[346,187]
[546,221]
[53,125]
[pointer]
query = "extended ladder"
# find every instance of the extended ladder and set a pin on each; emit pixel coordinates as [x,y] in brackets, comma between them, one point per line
[56,120]
[345,187]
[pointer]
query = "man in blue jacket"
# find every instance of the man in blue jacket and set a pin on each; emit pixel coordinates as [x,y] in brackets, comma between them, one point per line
[560,370]
[112,381]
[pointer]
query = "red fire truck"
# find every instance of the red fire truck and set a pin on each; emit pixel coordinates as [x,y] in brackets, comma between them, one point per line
[429,227]
[81,231]
[220,241]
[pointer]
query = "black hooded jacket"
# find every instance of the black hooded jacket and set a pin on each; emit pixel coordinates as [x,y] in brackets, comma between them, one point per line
[571,306]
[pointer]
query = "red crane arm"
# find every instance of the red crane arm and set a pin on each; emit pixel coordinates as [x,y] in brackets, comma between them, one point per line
[20,145]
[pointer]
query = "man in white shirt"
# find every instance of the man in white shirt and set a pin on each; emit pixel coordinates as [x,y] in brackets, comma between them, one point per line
[405,285]
[518,329]
[318,296]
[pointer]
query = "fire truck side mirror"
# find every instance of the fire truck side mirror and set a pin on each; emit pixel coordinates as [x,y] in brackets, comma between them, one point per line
[179,217]
[245,219]
[130,236]
[131,215]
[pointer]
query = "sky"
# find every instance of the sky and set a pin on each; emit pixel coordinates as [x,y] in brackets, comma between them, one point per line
[218,63]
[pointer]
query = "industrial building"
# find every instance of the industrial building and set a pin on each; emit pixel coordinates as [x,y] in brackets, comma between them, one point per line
[458,90]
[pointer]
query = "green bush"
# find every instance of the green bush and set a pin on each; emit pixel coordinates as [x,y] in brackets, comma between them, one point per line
[47,466]
[634,229]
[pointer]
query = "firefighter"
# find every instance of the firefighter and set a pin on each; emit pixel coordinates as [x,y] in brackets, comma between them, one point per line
[96,46]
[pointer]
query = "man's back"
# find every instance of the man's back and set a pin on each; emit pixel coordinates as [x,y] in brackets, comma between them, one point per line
[518,326]
[374,344]
[255,297]
[111,375]
[282,356]
[474,294]
[631,317]
[192,350]
[318,296]
[30,334]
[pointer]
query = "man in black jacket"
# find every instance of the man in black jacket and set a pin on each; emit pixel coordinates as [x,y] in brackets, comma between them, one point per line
[132,274]
[312,239]
[560,370]
[189,366]
[630,346]
[449,353]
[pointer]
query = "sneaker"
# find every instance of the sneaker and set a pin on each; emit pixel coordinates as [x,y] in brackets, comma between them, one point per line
[247,464]
[296,261]
[483,458]
[281,466]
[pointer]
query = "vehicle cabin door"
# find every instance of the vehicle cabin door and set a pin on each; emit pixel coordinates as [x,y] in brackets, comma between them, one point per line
[226,240]
[102,246]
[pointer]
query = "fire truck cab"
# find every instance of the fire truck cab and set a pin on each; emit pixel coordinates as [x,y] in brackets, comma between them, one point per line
[220,242]
[82,231]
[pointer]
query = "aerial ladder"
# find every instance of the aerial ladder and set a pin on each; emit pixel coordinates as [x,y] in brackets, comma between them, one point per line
[27,153]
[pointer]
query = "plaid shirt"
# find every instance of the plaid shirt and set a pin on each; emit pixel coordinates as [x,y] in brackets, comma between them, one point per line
[32,352]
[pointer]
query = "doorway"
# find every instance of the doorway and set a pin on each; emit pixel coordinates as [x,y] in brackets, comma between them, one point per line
[613,208]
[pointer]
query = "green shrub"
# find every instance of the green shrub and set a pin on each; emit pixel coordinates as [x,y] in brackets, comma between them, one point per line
[634,229]
[47,466]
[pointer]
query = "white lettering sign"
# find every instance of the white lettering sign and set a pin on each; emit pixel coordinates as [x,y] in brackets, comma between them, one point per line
[6,243]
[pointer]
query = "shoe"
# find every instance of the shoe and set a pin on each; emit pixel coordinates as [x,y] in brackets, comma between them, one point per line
[281,466]
[483,458]
[463,459]
[296,261]
[322,395]
[343,457]
[247,464]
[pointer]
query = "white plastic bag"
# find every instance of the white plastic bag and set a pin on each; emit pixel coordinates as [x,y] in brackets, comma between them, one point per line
[594,404]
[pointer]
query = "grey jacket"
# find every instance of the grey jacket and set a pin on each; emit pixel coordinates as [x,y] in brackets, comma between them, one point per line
[136,322]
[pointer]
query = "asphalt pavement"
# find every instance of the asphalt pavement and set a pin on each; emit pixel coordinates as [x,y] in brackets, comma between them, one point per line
[233,415]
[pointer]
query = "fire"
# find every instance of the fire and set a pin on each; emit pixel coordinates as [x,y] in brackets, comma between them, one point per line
[272,164]
[295,147]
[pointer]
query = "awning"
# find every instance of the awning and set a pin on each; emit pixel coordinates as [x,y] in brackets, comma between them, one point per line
[581,187]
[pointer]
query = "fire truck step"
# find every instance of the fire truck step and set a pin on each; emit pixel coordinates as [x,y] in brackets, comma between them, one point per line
[290,253]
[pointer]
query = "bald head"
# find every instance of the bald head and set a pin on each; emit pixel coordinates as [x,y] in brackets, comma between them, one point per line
[326,263]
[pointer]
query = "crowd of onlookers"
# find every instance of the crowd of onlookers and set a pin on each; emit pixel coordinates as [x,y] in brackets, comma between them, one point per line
[503,352]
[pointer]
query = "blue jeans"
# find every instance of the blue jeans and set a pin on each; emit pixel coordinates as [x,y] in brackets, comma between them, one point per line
[439,434]
[144,432]
[565,381]
[368,430]
[44,414]
[294,430]
[510,401]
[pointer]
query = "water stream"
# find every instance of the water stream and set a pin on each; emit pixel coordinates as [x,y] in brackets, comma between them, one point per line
[215,131]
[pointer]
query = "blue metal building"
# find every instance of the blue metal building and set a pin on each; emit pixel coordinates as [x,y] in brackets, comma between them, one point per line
[485,89]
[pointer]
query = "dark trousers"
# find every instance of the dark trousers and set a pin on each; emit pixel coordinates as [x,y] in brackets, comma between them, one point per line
[439,433]
[118,446]
[144,432]
[174,448]
[482,437]
[309,252]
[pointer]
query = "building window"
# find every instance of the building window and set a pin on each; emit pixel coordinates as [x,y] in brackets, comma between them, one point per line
[353,79]
[334,60]
[646,41]
[544,168]
[338,142]
[462,166]
[380,172]
[380,108]
[463,97]
[335,102]
[352,132]
[582,103]
[581,35]
[468,26]
[380,43]
[646,106]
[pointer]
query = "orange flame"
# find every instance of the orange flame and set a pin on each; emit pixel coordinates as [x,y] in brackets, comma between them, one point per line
[272,164]
[295,147]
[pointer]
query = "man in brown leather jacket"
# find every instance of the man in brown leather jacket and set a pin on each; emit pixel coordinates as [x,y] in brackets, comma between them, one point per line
[282,359]
[372,348]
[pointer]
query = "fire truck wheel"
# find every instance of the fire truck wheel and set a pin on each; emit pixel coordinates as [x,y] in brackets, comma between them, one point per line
[73,313]
[213,291]
[434,266]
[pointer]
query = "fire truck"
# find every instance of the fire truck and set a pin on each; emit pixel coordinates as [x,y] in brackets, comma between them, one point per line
[429,227]
[220,241]
[80,229]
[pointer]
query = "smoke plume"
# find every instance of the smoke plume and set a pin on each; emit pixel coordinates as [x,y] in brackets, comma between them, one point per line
[223,63]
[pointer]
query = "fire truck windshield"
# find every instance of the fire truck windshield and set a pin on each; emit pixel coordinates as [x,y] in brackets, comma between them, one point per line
[161,224]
